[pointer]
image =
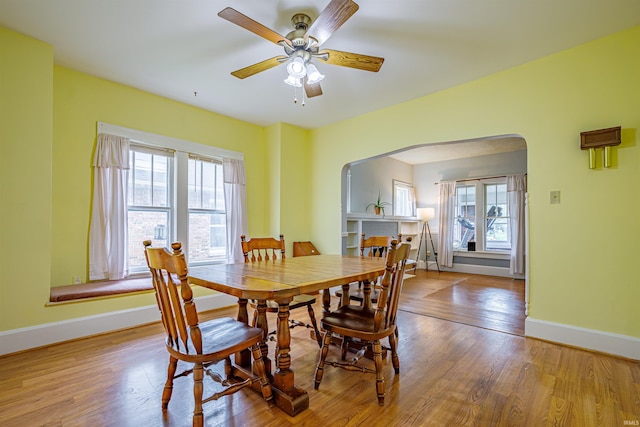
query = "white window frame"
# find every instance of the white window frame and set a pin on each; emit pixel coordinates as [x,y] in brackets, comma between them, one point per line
[480,215]
[201,210]
[411,199]
[181,149]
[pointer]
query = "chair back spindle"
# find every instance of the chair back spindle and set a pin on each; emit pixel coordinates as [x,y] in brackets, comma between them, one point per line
[374,246]
[262,248]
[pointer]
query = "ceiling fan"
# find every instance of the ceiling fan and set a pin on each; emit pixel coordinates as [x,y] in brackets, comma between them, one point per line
[303,44]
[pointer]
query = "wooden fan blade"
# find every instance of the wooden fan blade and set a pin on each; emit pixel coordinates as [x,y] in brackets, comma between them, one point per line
[255,27]
[331,18]
[353,60]
[312,90]
[259,67]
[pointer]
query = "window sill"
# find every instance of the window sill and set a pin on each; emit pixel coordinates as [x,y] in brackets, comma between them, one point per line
[482,254]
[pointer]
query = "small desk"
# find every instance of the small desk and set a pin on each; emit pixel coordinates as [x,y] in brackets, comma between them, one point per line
[281,280]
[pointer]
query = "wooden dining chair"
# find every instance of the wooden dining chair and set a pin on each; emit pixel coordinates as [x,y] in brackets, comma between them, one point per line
[373,246]
[199,344]
[259,249]
[369,325]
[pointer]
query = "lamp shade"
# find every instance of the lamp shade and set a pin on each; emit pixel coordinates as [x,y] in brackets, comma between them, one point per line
[426,214]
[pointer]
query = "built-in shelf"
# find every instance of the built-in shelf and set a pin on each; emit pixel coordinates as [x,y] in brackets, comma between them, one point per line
[377,225]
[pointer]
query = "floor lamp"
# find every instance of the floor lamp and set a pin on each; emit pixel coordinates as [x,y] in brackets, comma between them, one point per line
[425,214]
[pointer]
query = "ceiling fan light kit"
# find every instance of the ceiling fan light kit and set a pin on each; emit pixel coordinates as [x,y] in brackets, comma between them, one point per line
[303,44]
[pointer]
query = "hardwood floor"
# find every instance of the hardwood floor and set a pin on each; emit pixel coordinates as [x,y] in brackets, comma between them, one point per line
[489,302]
[451,373]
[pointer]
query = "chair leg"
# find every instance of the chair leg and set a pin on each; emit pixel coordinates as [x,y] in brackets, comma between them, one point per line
[168,386]
[326,343]
[259,370]
[344,348]
[314,323]
[227,368]
[377,357]
[198,373]
[393,343]
[254,320]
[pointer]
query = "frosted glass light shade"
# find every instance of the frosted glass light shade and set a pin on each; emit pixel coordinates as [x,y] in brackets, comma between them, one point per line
[313,75]
[296,68]
[292,81]
[425,214]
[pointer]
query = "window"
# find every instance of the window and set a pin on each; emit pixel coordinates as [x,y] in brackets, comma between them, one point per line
[481,216]
[497,232]
[149,200]
[465,216]
[175,192]
[207,219]
[156,181]
[404,199]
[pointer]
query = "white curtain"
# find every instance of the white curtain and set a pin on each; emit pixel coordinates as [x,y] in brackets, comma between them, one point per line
[108,230]
[235,198]
[447,207]
[516,189]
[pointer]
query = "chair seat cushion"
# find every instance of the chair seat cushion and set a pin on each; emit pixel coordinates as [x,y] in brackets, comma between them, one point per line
[221,337]
[350,317]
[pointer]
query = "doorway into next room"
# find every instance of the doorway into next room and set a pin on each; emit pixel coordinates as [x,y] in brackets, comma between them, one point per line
[479,289]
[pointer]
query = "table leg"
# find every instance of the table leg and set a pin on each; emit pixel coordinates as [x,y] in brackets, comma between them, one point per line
[288,397]
[243,358]
[283,378]
[261,322]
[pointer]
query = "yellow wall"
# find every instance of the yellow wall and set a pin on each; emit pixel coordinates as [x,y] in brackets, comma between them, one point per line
[295,185]
[25,176]
[289,183]
[274,162]
[584,252]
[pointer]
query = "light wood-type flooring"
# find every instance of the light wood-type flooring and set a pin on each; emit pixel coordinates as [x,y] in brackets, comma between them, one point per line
[451,374]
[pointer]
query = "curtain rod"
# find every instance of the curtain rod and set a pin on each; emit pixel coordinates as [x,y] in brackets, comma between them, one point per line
[476,179]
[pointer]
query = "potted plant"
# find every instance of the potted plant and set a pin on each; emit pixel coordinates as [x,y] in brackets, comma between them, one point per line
[378,206]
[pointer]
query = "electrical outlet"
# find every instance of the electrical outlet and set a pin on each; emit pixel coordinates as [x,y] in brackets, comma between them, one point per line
[554,197]
[76,280]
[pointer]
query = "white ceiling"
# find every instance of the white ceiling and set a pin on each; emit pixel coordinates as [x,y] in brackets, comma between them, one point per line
[460,149]
[176,48]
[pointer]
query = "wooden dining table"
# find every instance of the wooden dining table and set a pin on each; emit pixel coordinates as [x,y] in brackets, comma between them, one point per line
[280,280]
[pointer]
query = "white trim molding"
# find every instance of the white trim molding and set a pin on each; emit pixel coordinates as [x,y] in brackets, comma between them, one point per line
[590,339]
[51,333]
[168,142]
[485,270]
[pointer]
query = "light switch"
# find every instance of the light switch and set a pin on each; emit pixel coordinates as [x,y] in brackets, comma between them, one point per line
[554,197]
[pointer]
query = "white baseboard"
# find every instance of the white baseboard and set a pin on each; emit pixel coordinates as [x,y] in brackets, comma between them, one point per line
[604,342]
[50,333]
[478,269]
